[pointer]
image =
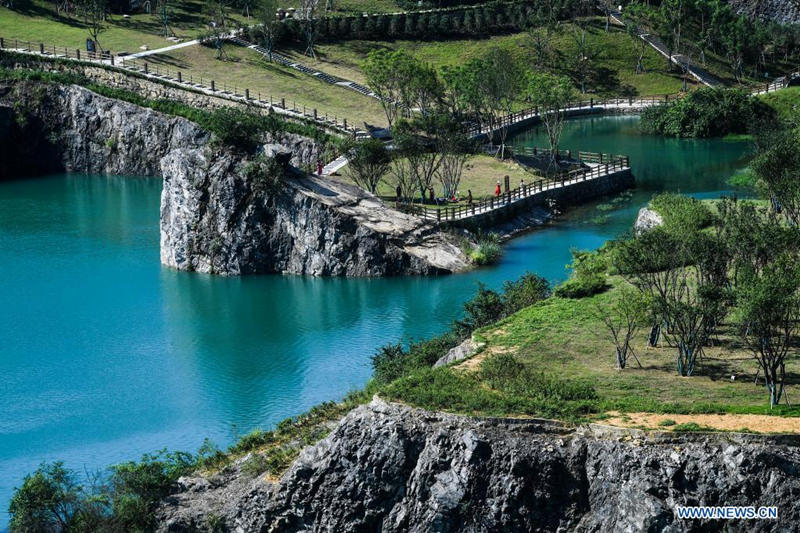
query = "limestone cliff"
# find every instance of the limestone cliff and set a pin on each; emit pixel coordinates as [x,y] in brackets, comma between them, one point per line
[387,467]
[213,218]
[782,11]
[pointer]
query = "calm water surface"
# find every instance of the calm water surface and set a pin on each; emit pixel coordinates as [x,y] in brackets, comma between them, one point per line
[105,354]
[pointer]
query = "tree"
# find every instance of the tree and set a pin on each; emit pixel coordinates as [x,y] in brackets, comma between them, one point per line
[218,13]
[269,26]
[776,167]
[768,308]
[419,140]
[48,500]
[638,17]
[660,263]
[402,177]
[308,14]
[585,54]
[456,148]
[93,13]
[402,83]
[541,26]
[164,16]
[502,80]
[623,318]
[369,161]
[550,94]
[671,24]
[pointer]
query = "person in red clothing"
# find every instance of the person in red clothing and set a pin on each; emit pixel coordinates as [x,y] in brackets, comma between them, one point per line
[497,189]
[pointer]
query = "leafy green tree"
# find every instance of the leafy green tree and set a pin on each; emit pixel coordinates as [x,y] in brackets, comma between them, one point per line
[502,78]
[777,167]
[768,310]
[369,161]
[402,82]
[419,141]
[551,94]
[638,17]
[269,27]
[48,500]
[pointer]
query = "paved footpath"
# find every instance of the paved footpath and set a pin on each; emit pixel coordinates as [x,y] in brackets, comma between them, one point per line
[146,53]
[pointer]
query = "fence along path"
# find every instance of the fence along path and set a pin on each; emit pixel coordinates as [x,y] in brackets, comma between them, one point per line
[187,80]
[597,165]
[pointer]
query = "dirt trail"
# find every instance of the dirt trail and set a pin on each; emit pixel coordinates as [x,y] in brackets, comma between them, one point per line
[728,422]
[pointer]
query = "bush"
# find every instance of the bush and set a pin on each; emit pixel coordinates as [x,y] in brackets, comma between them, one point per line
[48,500]
[393,361]
[265,173]
[588,275]
[706,112]
[682,213]
[524,292]
[487,251]
[485,308]
[582,286]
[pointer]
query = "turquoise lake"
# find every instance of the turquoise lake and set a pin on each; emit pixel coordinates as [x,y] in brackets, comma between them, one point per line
[106,355]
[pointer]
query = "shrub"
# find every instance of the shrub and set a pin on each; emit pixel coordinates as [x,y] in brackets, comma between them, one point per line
[487,249]
[524,292]
[582,286]
[706,112]
[393,361]
[485,308]
[137,486]
[48,500]
[588,275]
[265,173]
[682,213]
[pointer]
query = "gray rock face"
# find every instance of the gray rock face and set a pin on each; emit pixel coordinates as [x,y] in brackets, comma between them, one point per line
[783,11]
[388,467]
[213,219]
[459,353]
[647,219]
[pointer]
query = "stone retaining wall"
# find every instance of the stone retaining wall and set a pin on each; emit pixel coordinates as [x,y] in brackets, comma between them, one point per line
[568,195]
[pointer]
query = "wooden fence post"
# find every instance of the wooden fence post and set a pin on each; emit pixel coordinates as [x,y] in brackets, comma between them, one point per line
[180,77]
[247,94]
[213,86]
[41,48]
[78,53]
[146,70]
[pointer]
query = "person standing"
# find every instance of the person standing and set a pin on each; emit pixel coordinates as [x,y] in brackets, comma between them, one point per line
[497,189]
[469,196]
[319,167]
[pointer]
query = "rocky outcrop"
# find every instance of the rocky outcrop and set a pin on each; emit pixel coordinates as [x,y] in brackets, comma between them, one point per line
[647,219]
[213,218]
[458,353]
[388,467]
[783,11]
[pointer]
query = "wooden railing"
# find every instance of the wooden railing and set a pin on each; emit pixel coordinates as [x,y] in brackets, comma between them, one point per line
[189,80]
[590,104]
[508,198]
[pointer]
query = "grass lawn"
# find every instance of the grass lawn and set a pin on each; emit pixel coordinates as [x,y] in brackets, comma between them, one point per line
[615,62]
[245,68]
[785,102]
[481,173]
[37,22]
